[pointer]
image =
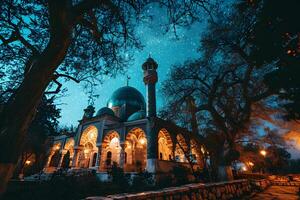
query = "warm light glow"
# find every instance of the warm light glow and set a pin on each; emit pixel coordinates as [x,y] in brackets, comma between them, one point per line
[244,168]
[263,152]
[142,141]
[92,135]
[57,147]
[202,150]
[251,164]
[86,151]
[27,162]
[115,141]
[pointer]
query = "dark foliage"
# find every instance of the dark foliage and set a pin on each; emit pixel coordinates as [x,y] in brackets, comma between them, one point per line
[277,159]
[142,181]
[61,186]
[181,174]
[276,39]
[118,176]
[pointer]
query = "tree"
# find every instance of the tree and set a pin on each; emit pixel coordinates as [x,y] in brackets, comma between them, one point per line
[276,38]
[45,40]
[277,159]
[226,82]
[44,125]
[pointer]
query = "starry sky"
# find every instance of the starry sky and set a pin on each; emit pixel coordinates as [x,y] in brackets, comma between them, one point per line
[164,47]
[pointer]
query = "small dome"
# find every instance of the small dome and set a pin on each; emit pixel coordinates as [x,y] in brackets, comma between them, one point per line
[137,115]
[105,111]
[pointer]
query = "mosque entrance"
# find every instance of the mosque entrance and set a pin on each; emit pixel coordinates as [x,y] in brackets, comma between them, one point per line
[111,150]
[135,151]
[89,150]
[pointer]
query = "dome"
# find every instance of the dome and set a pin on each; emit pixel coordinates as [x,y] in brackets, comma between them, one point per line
[137,115]
[105,111]
[125,101]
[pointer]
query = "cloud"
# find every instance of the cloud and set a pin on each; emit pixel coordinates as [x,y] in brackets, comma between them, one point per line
[294,137]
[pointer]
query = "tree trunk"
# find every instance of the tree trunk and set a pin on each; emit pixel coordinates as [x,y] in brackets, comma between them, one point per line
[225,173]
[21,107]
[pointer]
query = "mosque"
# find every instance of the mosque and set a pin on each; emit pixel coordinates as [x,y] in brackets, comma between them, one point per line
[127,133]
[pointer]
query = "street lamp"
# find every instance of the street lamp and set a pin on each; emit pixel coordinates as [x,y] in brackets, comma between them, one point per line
[251,164]
[263,152]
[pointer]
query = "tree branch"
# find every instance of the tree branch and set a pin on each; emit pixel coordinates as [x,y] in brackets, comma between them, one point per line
[57,90]
[67,76]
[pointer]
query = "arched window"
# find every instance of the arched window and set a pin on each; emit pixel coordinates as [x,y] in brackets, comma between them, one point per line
[165,145]
[181,148]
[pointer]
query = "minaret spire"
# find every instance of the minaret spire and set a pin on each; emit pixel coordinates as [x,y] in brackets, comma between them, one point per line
[150,80]
[127,80]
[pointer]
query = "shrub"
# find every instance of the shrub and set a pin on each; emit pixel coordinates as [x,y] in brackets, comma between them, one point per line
[118,176]
[142,181]
[165,181]
[181,174]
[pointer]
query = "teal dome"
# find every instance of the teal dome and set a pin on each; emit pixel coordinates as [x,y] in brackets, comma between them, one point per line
[137,115]
[125,101]
[105,111]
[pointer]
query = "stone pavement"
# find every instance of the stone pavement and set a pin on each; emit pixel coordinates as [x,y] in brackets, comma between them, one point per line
[278,193]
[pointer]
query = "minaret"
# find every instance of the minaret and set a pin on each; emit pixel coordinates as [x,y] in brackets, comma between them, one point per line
[150,79]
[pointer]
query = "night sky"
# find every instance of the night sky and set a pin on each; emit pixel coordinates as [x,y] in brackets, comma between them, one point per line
[165,48]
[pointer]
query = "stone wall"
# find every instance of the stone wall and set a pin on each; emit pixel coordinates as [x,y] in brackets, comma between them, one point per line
[197,191]
[287,180]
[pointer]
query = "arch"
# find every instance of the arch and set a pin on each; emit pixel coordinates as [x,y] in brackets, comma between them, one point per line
[165,145]
[181,148]
[110,149]
[88,141]
[135,150]
[89,135]
[54,155]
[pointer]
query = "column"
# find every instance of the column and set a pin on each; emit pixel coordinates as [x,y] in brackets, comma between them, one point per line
[98,161]
[122,155]
[75,157]
[152,146]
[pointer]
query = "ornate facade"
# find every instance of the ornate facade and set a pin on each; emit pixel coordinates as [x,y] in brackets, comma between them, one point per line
[128,133]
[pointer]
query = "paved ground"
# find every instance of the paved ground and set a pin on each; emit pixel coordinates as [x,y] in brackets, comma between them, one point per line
[278,193]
